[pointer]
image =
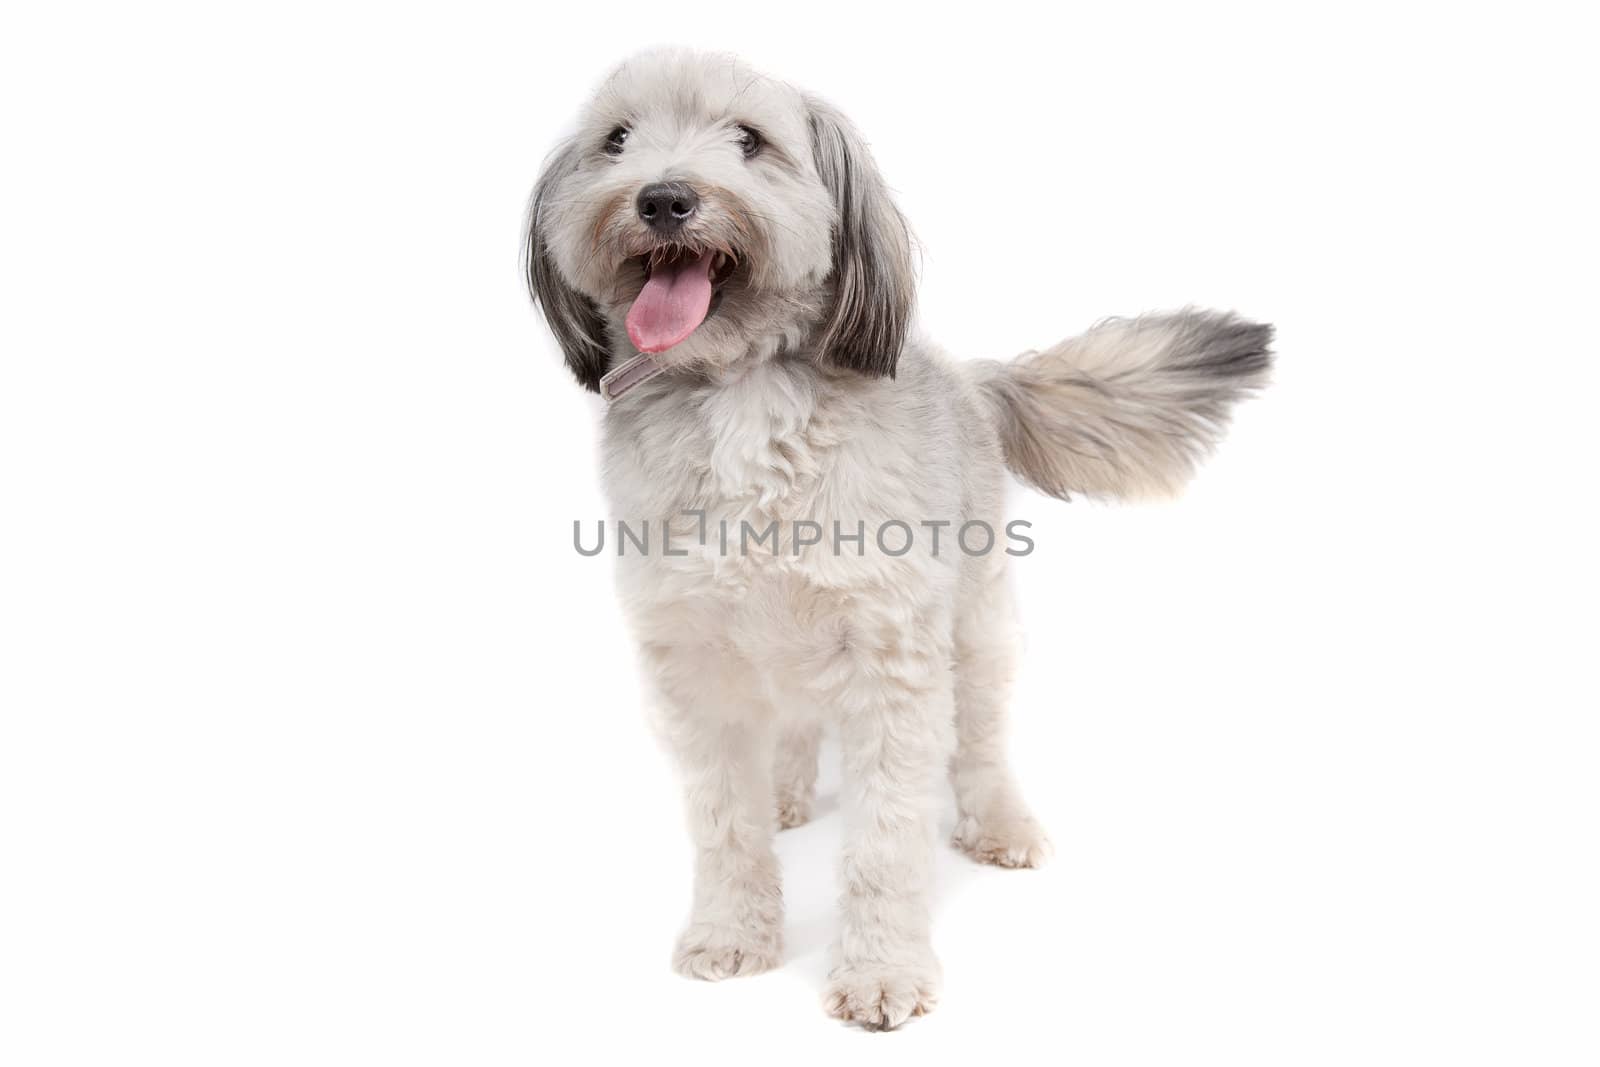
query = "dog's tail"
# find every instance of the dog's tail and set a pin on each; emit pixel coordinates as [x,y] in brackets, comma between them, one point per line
[1129,408]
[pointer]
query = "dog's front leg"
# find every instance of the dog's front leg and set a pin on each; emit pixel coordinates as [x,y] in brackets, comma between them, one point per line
[895,728]
[721,739]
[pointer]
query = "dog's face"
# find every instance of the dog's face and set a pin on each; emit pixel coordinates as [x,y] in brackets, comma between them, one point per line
[706,212]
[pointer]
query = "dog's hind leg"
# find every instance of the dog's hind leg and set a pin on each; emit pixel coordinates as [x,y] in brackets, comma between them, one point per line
[993,824]
[795,772]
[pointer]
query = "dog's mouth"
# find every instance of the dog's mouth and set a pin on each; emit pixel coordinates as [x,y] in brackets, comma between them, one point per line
[680,284]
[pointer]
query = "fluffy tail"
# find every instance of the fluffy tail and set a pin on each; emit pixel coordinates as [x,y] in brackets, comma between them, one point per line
[1129,408]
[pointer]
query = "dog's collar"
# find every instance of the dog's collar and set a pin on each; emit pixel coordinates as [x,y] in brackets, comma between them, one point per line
[619,380]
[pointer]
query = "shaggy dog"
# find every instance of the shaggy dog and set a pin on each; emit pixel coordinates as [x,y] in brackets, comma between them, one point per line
[717,255]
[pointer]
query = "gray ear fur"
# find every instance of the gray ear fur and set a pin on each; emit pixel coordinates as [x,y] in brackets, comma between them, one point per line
[572,317]
[872,277]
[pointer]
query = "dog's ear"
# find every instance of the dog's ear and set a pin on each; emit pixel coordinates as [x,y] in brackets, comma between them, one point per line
[573,317]
[873,281]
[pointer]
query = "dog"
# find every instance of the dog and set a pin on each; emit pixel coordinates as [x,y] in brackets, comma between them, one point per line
[717,255]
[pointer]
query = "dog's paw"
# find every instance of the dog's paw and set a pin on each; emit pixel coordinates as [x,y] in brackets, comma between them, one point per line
[792,812]
[712,953]
[881,996]
[1018,841]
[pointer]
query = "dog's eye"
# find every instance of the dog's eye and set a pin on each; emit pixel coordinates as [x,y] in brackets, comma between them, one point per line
[615,140]
[749,141]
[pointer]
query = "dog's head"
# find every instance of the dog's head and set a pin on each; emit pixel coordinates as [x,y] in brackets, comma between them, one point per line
[705,211]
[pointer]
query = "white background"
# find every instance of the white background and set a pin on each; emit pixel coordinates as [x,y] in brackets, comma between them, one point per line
[321,745]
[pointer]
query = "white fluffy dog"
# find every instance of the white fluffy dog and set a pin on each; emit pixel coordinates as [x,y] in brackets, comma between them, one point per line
[717,255]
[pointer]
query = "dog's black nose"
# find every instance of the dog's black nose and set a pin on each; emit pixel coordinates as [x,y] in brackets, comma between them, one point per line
[666,206]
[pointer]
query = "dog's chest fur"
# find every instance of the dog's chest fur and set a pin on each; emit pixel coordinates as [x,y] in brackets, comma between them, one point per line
[746,452]
[779,444]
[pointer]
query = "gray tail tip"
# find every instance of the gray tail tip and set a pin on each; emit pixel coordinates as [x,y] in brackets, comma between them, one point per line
[1228,345]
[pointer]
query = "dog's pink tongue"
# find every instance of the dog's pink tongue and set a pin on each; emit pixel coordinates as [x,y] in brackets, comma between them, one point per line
[673,302]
